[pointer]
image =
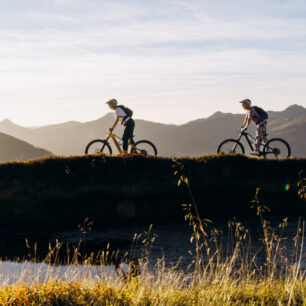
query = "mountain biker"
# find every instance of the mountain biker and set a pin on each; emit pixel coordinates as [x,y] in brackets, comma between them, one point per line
[123,115]
[259,116]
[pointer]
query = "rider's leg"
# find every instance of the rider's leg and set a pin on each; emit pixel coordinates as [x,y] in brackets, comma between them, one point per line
[264,138]
[128,134]
[132,127]
[261,134]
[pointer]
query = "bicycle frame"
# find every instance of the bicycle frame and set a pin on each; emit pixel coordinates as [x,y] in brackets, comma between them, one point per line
[246,136]
[274,147]
[114,137]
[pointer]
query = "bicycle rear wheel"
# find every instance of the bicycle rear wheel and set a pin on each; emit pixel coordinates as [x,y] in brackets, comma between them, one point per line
[144,147]
[98,146]
[276,148]
[231,146]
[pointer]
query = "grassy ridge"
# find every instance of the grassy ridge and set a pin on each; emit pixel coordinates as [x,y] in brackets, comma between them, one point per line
[57,192]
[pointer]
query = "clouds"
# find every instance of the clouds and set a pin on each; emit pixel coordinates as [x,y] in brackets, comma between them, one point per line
[63,52]
[135,27]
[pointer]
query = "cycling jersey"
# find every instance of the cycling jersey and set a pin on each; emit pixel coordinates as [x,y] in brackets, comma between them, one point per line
[122,114]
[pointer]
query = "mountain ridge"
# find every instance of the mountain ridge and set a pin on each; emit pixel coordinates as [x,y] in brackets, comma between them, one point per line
[294,108]
[191,138]
[12,148]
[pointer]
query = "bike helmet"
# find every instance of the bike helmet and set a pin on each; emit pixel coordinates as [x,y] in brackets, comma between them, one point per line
[246,102]
[112,102]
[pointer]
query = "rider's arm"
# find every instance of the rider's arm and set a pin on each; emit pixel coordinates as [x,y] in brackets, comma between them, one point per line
[246,122]
[115,124]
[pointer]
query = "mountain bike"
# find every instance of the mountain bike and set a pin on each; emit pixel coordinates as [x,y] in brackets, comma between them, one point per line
[143,147]
[273,148]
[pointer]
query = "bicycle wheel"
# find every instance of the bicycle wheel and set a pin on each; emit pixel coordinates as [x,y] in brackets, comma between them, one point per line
[98,146]
[231,146]
[276,148]
[144,147]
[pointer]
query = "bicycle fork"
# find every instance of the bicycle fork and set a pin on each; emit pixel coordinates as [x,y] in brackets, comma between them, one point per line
[106,140]
[236,143]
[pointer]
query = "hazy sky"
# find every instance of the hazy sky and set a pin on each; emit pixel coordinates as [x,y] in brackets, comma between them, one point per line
[169,60]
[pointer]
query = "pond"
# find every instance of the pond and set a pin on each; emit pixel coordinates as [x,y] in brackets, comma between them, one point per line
[171,242]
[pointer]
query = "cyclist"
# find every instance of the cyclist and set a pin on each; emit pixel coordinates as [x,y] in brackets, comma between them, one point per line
[123,115]
[259,116]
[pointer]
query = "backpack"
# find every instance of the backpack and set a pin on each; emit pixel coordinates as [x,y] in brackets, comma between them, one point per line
[263,114]
[128,111]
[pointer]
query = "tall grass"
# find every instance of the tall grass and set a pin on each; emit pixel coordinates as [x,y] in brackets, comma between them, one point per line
[217,276]
[233,280]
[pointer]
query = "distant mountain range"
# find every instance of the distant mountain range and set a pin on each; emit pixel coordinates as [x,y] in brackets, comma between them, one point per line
[12,148]
[193,138]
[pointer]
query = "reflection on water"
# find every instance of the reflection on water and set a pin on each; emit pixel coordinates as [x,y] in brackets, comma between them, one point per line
[172,242]
[31,273]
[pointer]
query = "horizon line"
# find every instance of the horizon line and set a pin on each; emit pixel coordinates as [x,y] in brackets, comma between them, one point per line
[108,113]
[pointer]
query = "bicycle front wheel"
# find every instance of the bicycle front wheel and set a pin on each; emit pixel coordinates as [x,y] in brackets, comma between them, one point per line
[144,147]
[276,148]
[231,146]
[98,146]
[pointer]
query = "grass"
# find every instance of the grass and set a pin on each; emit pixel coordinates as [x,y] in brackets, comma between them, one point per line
[212,279]
[168,292]
[232,280]
[33,193]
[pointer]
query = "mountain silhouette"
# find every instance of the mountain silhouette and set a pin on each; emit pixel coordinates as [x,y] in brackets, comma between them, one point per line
[196,137]
[12,148]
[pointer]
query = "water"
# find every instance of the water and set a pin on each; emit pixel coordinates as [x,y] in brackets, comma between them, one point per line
[172,242]
[33,273]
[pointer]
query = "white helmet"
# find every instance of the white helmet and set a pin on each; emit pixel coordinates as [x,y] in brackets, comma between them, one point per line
[112,102]
[246,102]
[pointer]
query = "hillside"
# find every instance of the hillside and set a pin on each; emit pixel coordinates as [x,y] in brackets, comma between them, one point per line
[193,138]
[59,193]
[12,148]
